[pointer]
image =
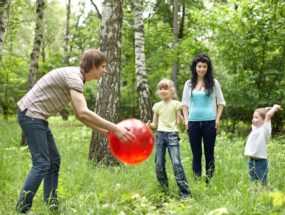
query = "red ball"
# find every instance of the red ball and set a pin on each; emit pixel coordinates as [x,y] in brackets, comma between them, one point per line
[139,149]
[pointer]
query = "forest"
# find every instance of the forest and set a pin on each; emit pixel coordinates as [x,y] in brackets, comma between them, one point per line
[145,41]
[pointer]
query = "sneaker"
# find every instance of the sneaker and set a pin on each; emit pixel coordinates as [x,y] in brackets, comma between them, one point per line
[53,205]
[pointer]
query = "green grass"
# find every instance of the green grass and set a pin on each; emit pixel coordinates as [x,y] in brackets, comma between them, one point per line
[88,189]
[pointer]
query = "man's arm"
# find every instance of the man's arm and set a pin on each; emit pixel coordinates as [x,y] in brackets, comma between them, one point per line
[92,120]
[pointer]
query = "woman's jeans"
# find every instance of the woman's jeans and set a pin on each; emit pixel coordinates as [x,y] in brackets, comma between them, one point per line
[206,131]
[170,140]
[45,160]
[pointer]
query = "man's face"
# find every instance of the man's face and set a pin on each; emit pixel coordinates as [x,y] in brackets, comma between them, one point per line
[96,73]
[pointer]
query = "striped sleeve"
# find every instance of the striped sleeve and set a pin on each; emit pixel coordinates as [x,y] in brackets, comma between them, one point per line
[74,82]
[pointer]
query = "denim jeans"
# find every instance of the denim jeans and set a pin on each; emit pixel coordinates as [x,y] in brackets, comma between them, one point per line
[206,131]
[45,161]
[170,140]
[258,170]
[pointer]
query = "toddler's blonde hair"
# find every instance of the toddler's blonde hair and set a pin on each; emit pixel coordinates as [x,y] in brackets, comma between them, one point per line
[262,111]
[167,84]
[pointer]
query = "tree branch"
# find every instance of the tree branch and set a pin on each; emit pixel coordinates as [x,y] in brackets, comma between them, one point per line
[99,15]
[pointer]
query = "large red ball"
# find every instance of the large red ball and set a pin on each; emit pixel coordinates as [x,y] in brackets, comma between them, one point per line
[136,151]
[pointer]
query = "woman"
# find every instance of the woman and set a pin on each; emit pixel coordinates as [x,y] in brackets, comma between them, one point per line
[202,105]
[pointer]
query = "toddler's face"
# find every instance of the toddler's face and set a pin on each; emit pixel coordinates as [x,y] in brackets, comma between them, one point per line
[257,119]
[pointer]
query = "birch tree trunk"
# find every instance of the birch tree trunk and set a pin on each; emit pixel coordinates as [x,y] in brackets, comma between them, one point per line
[65,59]
[40,4]
[4,6]
[175,41]
[107,99]
[142,83]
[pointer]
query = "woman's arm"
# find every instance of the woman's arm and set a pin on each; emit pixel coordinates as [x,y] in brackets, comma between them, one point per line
[220,109]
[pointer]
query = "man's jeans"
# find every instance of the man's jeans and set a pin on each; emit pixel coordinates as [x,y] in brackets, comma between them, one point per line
[170,140]
[197,131]
[45,160]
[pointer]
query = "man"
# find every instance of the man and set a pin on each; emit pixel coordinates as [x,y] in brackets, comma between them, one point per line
[48,97]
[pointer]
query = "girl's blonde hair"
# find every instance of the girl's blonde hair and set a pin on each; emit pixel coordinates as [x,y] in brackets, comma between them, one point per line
[262,112]
[167,84]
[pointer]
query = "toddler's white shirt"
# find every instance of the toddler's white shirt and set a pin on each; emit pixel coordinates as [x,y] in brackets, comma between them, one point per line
[257,140]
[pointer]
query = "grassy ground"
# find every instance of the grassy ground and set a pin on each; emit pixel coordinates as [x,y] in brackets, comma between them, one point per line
[88,189]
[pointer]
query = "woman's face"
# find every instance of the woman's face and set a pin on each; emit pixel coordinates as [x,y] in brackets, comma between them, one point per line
[201,69]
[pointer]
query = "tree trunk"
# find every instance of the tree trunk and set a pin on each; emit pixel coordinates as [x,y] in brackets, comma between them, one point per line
[4,6]
[175,41]
[107,99]
[37,43]
[65,59]
[142,83]
[40,4]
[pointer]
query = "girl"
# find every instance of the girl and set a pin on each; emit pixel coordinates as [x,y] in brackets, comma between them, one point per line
[255,147]
[202,105]
[166,117]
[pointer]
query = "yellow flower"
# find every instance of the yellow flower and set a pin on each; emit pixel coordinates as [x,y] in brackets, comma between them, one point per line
[278,199]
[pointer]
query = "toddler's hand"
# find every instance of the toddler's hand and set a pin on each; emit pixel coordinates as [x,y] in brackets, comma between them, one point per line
[277,107]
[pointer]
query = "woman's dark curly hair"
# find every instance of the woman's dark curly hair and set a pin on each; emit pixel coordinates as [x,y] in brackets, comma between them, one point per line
[208,79]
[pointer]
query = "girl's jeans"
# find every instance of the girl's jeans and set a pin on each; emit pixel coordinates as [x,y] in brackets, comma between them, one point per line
[206,131]
[170,140]
[45,160]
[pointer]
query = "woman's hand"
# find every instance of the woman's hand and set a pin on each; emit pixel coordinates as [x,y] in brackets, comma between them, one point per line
[217,126]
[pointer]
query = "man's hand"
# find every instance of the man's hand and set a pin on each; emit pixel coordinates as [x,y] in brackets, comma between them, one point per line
[123,134]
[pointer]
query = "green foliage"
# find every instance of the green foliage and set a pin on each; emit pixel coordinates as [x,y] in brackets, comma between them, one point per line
[246,41]
[88,189]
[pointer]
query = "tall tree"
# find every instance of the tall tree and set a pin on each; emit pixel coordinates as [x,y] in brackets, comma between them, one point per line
[175,41]
[142,83]
[107,99]
[65,59]
[34,65]
[40,4]
[4,5]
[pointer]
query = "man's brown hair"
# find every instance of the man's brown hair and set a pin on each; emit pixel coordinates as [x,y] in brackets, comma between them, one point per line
[91,58]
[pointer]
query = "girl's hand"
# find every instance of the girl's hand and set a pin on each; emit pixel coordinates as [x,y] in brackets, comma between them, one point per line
[148,123]
[186,126]
[179,119]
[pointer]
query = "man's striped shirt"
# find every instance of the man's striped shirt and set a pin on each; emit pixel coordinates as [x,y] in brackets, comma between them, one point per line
[52,92]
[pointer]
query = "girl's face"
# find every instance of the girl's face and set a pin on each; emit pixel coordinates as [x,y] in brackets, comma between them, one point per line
[165,93]
[257,119]
[201,69]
